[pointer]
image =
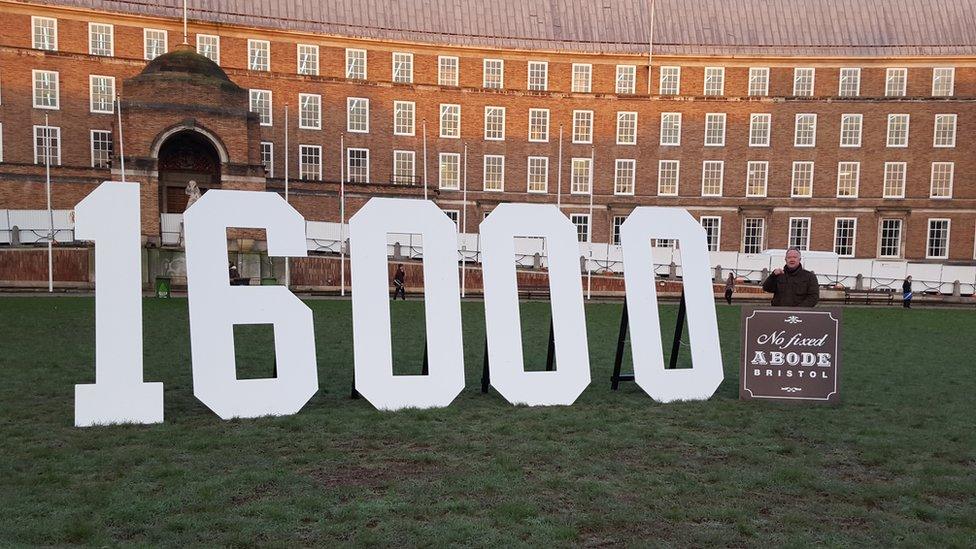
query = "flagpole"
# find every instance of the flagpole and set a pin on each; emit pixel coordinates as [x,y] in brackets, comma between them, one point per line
[559,170]
[464,222]
[589,237]
[185,41]
[50,212]
[118,99]
[342,214]
[425,159]
[287,262]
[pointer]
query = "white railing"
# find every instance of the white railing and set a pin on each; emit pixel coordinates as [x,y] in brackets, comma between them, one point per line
[34,226]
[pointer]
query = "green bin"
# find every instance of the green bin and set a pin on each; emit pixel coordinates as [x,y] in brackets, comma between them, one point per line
[163,284]
[269,281]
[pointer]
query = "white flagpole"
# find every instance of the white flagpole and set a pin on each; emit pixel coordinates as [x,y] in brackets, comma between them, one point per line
[559,170]
[589,267]
[342,214]
[287,262]
[425,159]
[185,41]
[464,222]
[50,212]
[121,146]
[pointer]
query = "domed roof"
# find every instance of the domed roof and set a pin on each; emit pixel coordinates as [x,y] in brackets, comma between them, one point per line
[184,60]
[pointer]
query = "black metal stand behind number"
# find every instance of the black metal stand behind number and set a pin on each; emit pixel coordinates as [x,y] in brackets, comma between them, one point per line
[617,377]
[550,358]
[424,370]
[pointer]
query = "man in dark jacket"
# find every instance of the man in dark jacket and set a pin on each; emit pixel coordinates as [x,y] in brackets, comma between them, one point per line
[793,286]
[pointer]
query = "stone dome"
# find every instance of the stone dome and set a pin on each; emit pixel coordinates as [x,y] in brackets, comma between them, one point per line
[185,63]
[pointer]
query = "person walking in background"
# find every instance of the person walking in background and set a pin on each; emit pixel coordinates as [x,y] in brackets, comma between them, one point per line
[729,288]
[906,292]
[398,281]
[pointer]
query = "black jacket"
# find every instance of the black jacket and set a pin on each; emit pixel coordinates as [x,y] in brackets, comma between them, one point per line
[797,289]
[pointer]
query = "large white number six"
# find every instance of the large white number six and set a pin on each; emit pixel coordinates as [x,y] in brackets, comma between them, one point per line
[215,307]
[110,217]
[701,381]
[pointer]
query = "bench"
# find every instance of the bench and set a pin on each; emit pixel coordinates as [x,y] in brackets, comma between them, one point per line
[868,296]
[528,291]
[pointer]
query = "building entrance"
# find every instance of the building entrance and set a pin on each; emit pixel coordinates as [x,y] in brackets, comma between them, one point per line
[186,156]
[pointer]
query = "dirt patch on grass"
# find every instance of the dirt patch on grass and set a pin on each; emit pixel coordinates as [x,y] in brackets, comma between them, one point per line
[373,474]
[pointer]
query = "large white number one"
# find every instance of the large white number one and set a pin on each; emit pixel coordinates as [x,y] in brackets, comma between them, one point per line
[215,307]
[110,217]
[371,310]
[701,381]
[502,322]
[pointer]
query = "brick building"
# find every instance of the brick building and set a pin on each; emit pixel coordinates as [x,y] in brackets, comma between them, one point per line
[825,125]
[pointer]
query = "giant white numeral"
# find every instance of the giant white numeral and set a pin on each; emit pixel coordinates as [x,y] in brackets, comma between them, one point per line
[110,217]
[502,323]
[371,309]
[701,381]
[215,307]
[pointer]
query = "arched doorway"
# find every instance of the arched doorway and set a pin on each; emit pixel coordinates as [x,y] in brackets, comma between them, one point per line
[185,156]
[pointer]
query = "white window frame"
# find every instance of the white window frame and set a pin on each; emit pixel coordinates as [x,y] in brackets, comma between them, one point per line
[713,117]
[615,223]
[856,76]
[837,221]
[951,143]
[952,81]
[898,241]
[91,141]
[301,164]
[890,143]
[534,118]
[761,243]
[721,177]
[54,39]
[401,59]
[844,119]
[799,78]
[891,75]
[398,128]
[758,81]
[928,237]
[528,174]
[411,178]
[252,47]
[270,165]
[805,246]
[625,82]
[577,122]
[709,81]
[449,159]
[311,52]
[484,177]
[352,62]
[441,70]
[57,132]
[349,114]
[111,39]
[578,70]
[622,117]
[573,187]
[145,43]
[665,130]
[857,178]
[216,46]
[755,121]
[251,96]
[302,120]
[579,220]
[57,89]
[91,94]
[764,167]
[666,164]
[485,83]
[717,244]
[349,153]
[890,171]
[664,85]
[796,131]
[494,135]
[952,172]
[620,164]
[793,179]
[535,86]
[454,111]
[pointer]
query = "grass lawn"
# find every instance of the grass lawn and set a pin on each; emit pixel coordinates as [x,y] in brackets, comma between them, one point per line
[895,464]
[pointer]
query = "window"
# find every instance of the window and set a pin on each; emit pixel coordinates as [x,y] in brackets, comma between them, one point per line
[802,186]
[258,55]
[45,33]
[626,79]
[757,175]
[539,125]
[670,128]
[850,82]
[450,120]
[624,174]
[715,129]
[582,222]
[759,124]
[943,79]
[582,126]
[848,178]
[800,233]
[403,168]
[355,64]
[101,149]
[46,87]
[752,235]
[308,59]
[618,221]
[581,176]
[626,128]
[310,162]
[154,43]
[357,115]
[403,117]
[494,74]
[712,173]
[267,158]
[449,170]
[261,104]
[850,130]
[494,177]
[309,111]
[47,145]
[208,46]
[890,238]
[895,82]
[402,67]
[670,80]
[942,179]
[945,131]
[447,71]
[667,177]
[803,81]
[100,39]
[582,77]
[713,232]
[898,130]
[714,80]
[845,234]
[357,166]
[494,123]
[937,243]
[805,134]
[894,180]
[538,75]
[759,81]
[538,174]
[101,94]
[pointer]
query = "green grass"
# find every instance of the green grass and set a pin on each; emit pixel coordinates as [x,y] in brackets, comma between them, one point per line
[894,465]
